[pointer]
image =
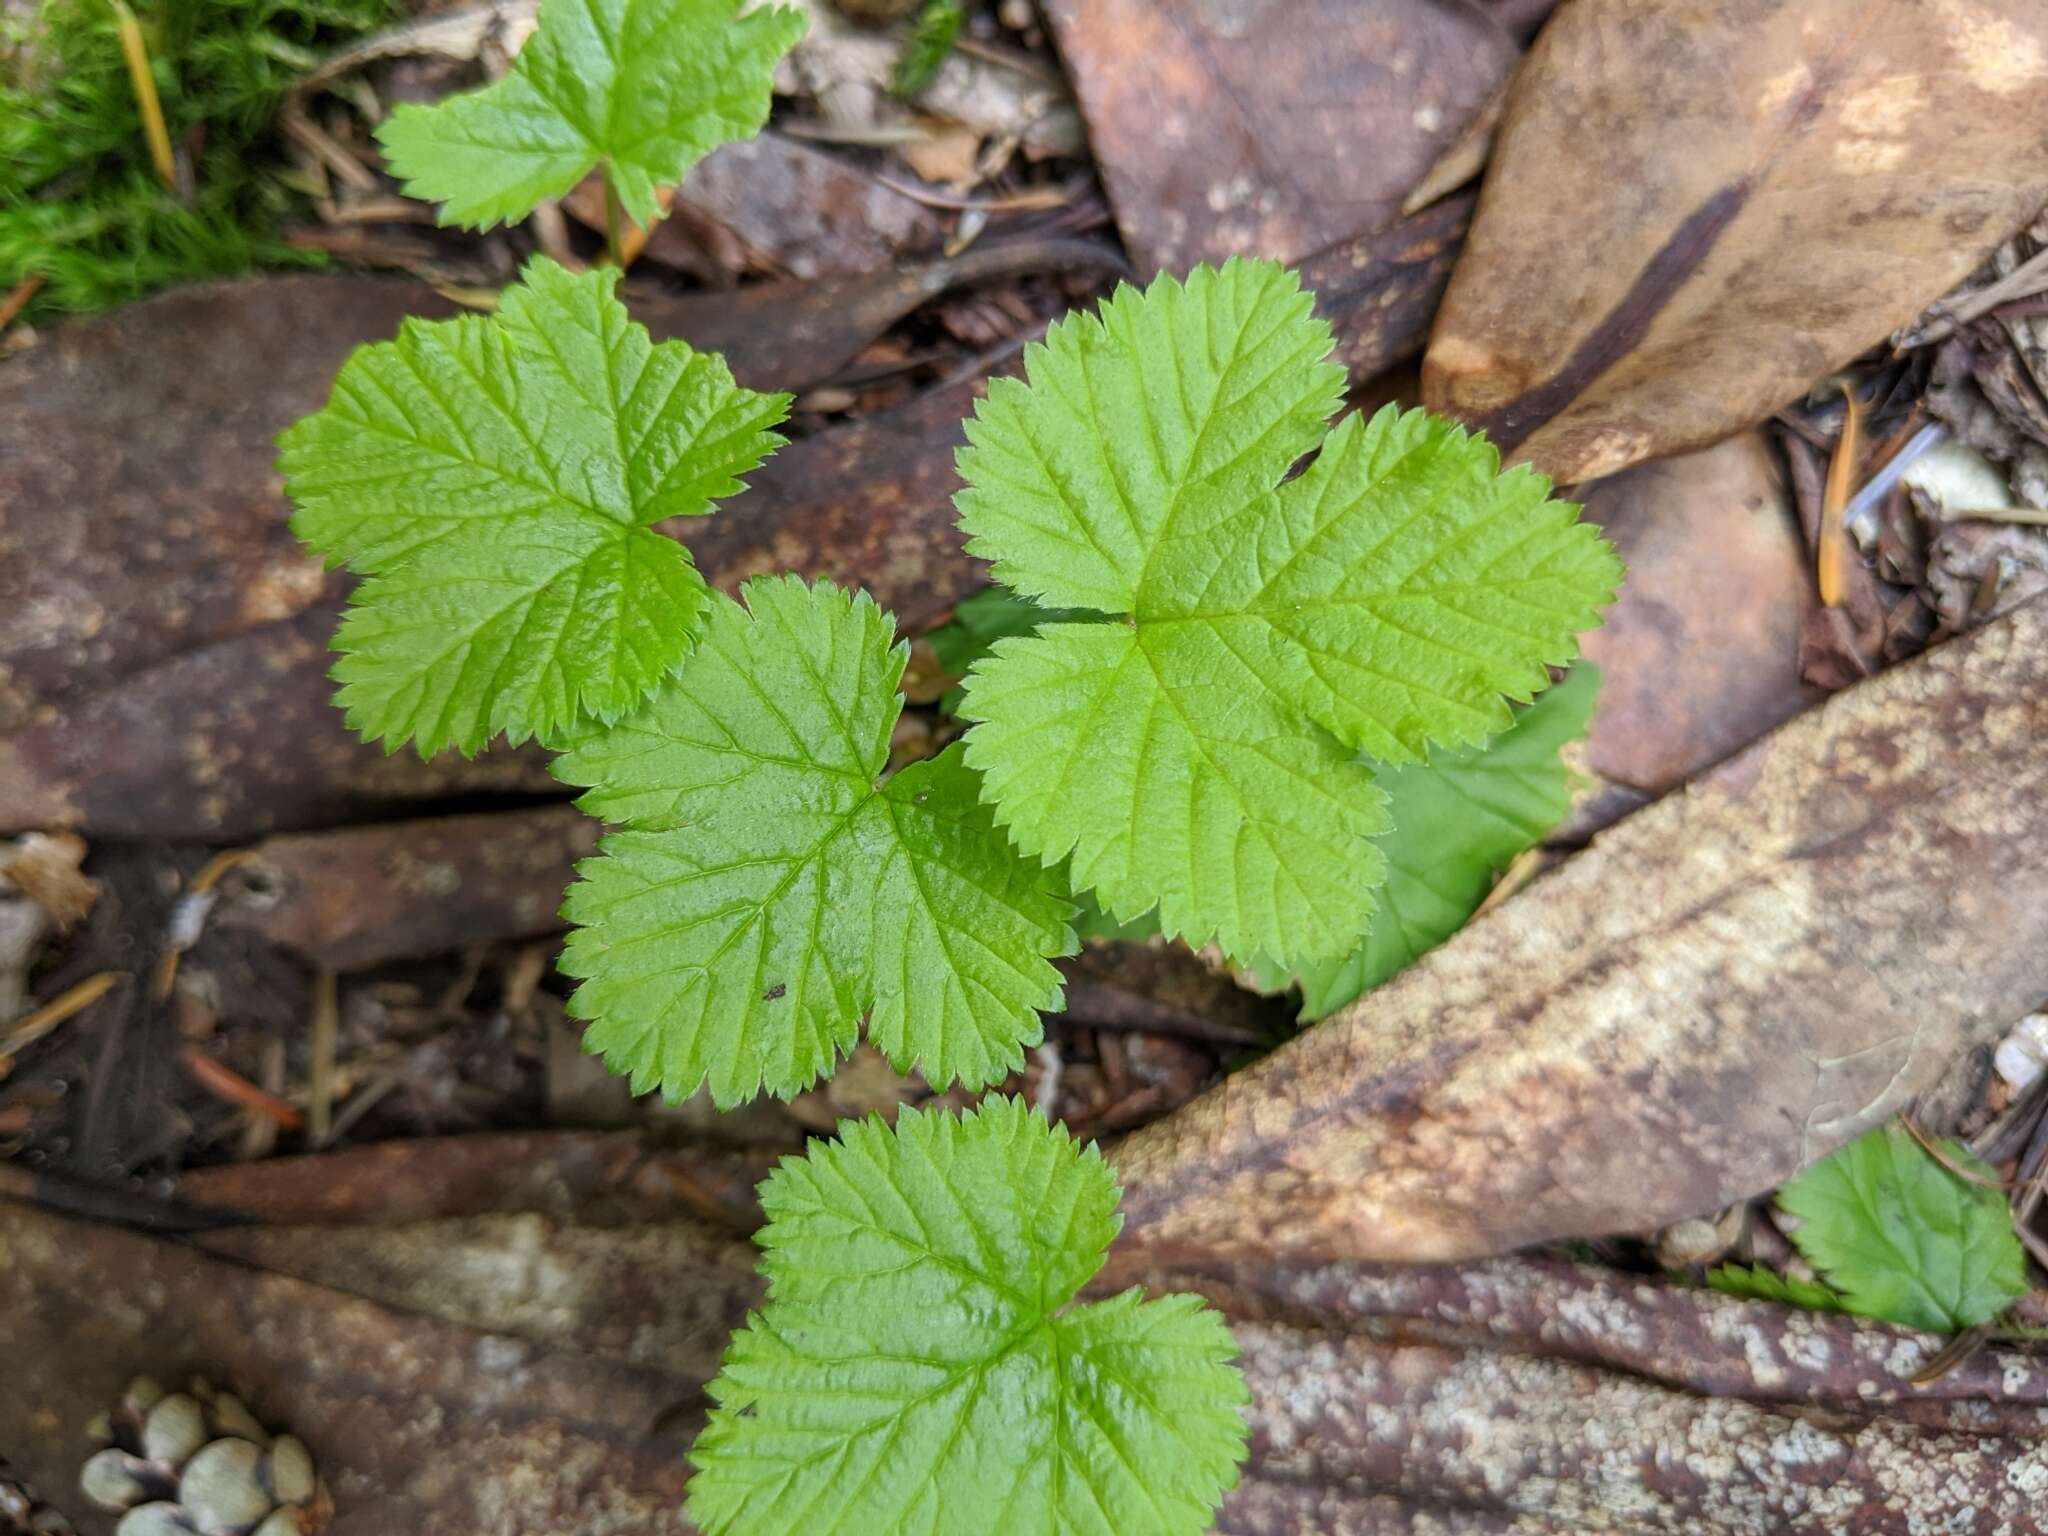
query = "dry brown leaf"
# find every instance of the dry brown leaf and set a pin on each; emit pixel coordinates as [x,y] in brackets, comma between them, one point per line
[1697,208]
[1723,988]
[1271,129]
[48,869]
[1700,654]
[364,895]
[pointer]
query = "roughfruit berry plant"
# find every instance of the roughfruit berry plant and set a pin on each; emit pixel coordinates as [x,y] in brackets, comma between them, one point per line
[1218,723]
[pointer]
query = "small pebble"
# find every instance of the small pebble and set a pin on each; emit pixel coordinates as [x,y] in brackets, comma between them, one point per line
[155,1520]
[114,1480]
[2023,1054]
[291,1470]
[222,1488]
[175,1428]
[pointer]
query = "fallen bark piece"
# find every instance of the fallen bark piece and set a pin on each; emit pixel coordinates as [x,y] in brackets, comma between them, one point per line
[417,1425]
[1700,654]
[140,512]
[1537,1445]
[1380,291]
[360,896]
[230,741]
[1726,986]
[1265,129]
[603,1177]
[1673,1335]
[1694,210]
[1515,1395]
[663,1295]
[790,336]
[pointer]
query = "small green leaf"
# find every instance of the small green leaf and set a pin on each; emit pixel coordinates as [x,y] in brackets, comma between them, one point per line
[496,479]
[981,620]
[1903,1239]
[1458,821]
[644,88]
[931,39]
[768,893]
[1199,751]
[1755,1283]
[920,1366]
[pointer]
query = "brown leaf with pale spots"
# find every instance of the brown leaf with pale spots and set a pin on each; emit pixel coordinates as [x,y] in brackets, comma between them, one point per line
[1270,127]
[1695,209]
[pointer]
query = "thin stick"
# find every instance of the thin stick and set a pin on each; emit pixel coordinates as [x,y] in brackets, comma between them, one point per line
[1933,1149]
[226,1083]
[18,297]
[66,1004]
[1016,202]
[326,1025]
[136,51]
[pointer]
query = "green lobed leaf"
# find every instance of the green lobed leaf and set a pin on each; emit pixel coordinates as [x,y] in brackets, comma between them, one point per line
[1200,750]
[1458,821]
[1902,1238]
[643,88]
[920,1367]
[1755,1283]
[496,479]
[978,622]
[768,893]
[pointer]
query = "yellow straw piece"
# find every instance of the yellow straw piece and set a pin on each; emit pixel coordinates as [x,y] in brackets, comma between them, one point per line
[1833,551]
[136,52]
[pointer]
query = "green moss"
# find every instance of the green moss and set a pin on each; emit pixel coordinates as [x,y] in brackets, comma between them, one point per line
[80,205]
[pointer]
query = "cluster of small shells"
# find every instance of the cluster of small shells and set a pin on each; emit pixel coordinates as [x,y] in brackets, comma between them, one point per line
[197,1463]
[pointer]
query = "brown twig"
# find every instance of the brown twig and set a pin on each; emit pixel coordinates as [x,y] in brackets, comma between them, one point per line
[18,297]
[1016,202]
[1933,1149]
[326,1026]
[1951,1355]
[228,1085]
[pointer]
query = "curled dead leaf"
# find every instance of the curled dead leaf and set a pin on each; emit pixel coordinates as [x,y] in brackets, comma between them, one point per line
[1695,209]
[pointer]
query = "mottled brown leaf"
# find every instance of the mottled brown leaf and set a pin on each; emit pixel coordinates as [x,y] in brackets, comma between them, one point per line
[1700,653]
[1270,127]
[1697,208]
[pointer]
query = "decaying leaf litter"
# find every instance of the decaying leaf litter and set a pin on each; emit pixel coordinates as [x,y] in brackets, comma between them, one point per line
[1827,915]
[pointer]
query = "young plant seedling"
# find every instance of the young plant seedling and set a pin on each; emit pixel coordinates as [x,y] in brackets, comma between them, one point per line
[1458,819]
[642,89]
[772,889]
[921,1364]
[1199,751]
[497,482]
[1190,734]
[1896,1235]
